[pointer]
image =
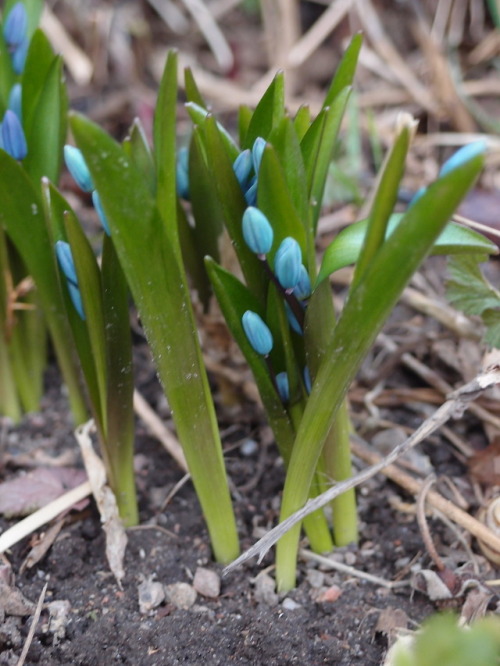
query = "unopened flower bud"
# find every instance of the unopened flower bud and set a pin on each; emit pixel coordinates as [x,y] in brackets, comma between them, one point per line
[302,289]
[78,168]
[257,332]
[257,231]
[242,167]
[287,263]
[283,386]
[15,25]
[257,152]
[13,139]
[182,173]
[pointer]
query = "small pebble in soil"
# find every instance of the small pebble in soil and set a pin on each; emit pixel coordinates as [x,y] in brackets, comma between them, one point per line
[181,595]
[249,448]
[315,578]
[290,604]
[326,594]
[206,582]
[151,594]
[264,590]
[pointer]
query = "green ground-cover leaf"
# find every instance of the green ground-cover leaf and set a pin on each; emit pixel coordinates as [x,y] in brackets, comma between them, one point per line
[454,239]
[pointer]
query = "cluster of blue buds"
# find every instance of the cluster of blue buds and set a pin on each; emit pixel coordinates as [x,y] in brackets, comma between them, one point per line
[67,265]
[246,168]
[15,33]
[79,170]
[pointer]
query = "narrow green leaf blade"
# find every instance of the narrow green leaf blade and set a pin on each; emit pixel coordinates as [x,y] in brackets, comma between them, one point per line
[268,113]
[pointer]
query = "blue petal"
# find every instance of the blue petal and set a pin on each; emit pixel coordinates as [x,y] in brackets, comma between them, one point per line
[292,320]
[283,386]
[66,263]
[78,168]
[257,151]
[257,231]
[288,262]
[251,193]
[257,332]
[462,156]
[76,299]
[307,380]
[242,167]
[18,56]
[15,100]
[13,139]
[302,289]
[15,25]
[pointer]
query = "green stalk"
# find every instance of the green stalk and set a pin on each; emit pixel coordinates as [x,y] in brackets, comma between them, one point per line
[9,400]
[338,464]
[368,306]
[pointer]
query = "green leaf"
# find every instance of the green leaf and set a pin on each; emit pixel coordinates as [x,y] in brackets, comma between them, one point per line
[164,149]
[89,283]
[39,62]
[286,143]
[191,89]
[268,113]
[22,215]
[158,283]
[244,118]
[119,436]
[468,290]
[200,116]
[233,206]
[346,70]
[234,300]
[302,121]
[137,149]
[317,147]
[344,249]
[275,201]
[46,134]
[383,203]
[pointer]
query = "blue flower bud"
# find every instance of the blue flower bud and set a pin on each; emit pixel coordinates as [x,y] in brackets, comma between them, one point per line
[251,193]
[462,156]
[15,100]
[242,167]
[257,231]
[302,289]
[287,263]
[13,139]
[66,263]
[257,152]
[15,25]
[283,386]
[78,168]
[182,173]
[76,299]
[257,332]
[307,380]
[18,56]
[96,200]
[292,320]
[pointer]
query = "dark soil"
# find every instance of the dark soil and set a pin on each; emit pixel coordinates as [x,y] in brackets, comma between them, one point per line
[104,624]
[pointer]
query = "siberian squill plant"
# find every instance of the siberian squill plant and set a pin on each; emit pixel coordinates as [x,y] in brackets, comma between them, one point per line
[33,112]
[266,190]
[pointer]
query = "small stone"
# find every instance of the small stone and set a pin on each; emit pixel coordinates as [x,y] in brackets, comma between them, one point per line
[151,595]
[350,558]
[249,448]
[181,595]
[206,582]
[264,590]
[290,604]
[315,578]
